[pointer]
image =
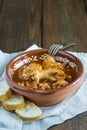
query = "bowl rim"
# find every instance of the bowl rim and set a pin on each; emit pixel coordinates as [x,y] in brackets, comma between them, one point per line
[14,84]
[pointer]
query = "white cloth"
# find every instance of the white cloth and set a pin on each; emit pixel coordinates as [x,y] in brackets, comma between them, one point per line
[52,115]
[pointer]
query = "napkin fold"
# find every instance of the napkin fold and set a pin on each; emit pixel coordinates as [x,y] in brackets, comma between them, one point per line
[68,108]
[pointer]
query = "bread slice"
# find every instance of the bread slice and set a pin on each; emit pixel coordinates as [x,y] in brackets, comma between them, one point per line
[5,91]
[29,112]
[16,101]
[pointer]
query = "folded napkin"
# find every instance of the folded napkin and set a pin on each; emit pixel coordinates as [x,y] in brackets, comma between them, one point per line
[68,108]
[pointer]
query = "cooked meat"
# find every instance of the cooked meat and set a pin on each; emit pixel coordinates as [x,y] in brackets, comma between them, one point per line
[38,76]
[49,62]
[29,72]
[59,83]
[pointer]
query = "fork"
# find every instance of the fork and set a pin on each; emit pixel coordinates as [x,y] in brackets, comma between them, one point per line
[55,47]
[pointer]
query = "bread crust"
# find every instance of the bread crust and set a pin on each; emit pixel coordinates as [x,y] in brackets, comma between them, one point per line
[29,119]
[25,118]
[6,93]
[14,102]
[11,107]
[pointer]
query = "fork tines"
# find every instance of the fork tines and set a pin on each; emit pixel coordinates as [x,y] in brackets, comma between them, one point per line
[54,48]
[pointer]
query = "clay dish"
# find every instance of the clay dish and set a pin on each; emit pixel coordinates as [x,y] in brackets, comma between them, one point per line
[45,97]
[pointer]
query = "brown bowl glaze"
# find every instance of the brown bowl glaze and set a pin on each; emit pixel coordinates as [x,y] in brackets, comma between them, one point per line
[45,97]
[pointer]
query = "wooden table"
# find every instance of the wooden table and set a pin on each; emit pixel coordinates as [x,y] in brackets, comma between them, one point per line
[25,22]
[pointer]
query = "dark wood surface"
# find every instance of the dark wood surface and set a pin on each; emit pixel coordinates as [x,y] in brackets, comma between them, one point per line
[25,22]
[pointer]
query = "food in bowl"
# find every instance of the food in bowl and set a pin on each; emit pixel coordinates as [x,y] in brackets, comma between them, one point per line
[44,79]
[44,74]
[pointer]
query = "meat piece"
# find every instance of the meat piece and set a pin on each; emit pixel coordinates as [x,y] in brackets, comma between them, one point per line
[44,86]
[34,72]
[52,74]
[49,62]
[38,76]
[59,83]
[29,72]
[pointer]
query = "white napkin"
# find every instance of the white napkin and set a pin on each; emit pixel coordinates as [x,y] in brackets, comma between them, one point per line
[70,107]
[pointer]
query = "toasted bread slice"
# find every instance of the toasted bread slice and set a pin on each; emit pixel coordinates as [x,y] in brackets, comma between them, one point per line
[5,91]
[16,101]
[29,112]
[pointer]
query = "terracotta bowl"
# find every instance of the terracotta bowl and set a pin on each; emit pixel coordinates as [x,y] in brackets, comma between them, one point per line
[45,97]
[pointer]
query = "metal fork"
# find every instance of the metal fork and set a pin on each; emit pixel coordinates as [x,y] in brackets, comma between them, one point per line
[55,47]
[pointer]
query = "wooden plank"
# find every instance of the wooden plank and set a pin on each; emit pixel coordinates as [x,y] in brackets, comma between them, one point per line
[85,6]
[77,123]
[65,21]
[1,3]
[20,24]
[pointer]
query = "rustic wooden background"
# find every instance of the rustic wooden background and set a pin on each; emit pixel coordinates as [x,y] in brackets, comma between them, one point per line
[43,22]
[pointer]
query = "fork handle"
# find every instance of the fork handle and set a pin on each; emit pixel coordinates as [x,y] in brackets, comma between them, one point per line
[68,45]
